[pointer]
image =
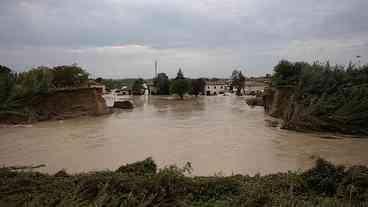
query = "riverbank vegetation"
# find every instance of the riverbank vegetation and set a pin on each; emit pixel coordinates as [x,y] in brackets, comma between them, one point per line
[19,90]
[143,184]
[325,97]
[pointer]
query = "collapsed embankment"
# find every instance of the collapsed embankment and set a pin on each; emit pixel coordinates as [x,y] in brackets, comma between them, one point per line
[60,104]
[307,113]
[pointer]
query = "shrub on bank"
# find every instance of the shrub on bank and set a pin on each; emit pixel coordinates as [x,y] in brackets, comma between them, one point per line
[145,167]
[255,101]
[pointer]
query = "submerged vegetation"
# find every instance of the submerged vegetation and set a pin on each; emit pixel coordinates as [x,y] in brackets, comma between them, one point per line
[324,97]
[142,184]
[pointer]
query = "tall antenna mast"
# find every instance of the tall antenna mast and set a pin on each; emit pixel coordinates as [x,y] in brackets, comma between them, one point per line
[155,68]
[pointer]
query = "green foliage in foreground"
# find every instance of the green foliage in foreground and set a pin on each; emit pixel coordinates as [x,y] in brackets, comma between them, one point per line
[141,184]
[336,98]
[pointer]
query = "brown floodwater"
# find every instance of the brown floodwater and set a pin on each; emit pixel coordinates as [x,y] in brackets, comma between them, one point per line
[216,134]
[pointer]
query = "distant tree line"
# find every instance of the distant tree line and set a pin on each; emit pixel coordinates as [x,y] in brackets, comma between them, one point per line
[180,85]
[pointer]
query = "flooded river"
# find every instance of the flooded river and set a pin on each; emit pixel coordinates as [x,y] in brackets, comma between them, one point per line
[216,134]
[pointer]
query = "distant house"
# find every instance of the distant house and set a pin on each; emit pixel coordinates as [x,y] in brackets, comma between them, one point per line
[123,91]
[254,86]
[101,88]
[216,87]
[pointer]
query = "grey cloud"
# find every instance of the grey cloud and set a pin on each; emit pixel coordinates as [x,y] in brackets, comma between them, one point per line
[219,34]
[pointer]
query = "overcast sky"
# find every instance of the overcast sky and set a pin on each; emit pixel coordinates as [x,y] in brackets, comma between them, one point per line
[208,38]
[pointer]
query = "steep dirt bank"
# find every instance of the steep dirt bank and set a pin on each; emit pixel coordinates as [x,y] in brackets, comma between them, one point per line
[62,104]
[72,103]
[299,112]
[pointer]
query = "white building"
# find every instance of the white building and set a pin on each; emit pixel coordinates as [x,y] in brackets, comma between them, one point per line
[123,91]
[253,86]
[217,87]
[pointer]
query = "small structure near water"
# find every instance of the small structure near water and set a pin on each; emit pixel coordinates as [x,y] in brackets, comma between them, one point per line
[124,91]
[123,105]
[255,101]
[216,87]
[255,86]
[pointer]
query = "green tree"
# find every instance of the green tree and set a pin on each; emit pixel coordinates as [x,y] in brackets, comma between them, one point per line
[99,80]
[198,86]
[4,70]
[17,90]
[137,88]
[162,83]
[180,86]
[35,81]
[238,81]
[287,73]
[8,92]
[69,76]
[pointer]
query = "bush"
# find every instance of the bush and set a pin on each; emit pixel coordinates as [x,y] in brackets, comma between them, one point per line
[69,76]
[180,87]
[255,101]
[324,177]
[287,73]
[354,185]
[145,167]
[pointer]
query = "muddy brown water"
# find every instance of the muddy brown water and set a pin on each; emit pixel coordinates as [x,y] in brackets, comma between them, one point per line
[216,134]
